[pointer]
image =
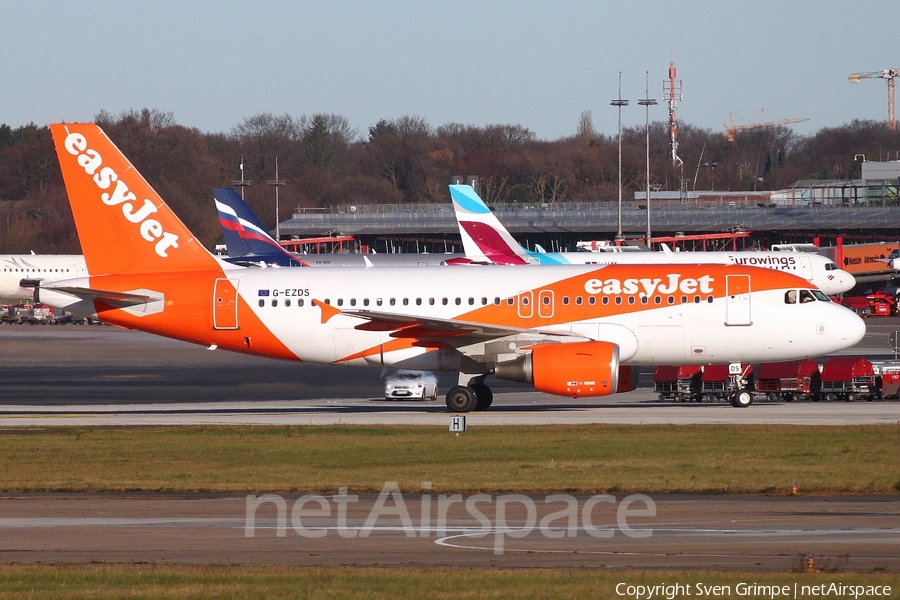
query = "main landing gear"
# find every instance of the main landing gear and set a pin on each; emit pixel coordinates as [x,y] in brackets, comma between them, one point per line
[466,398]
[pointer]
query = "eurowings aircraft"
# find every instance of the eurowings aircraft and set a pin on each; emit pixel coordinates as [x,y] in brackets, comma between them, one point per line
[19,273]
[565,330]
[486,240]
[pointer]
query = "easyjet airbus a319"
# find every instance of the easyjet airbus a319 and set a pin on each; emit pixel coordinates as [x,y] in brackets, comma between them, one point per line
[566,330]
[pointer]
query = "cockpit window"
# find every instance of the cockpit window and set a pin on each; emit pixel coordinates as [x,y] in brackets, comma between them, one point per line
[830,266]
[806,296]
[820,296]
[790,297]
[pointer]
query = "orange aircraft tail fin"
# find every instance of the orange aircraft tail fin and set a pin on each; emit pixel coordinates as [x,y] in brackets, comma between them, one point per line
[123,224]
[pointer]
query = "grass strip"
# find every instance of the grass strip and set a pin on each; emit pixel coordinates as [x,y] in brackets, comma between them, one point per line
[588,459]
[236,582]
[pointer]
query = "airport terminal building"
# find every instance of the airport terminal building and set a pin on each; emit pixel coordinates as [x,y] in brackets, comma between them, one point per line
[856,211]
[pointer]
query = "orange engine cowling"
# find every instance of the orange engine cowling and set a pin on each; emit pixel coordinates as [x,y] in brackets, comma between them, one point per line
[575,369]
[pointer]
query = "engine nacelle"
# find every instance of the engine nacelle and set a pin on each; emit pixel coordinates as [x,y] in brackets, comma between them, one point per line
[577,369]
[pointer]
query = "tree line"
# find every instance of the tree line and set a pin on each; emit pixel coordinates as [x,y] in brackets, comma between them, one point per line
[326,162]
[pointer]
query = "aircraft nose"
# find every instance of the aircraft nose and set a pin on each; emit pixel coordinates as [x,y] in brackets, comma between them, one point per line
[852,328]
[848,280]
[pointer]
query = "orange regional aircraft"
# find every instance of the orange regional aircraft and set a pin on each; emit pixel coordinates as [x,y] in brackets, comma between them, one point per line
[566,330]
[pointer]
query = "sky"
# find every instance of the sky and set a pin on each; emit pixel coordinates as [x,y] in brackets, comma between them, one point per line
[213,64]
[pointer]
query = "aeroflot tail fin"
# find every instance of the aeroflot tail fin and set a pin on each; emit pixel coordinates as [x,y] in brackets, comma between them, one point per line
[245,235]
[484,238]
[123,224]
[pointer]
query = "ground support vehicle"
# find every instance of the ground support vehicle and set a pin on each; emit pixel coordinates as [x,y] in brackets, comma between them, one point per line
[681,384]
[848,378]
[878,303]
[789,381]
[889,374]
[717,383]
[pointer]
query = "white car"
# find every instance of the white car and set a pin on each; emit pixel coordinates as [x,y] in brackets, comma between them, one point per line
[405,384]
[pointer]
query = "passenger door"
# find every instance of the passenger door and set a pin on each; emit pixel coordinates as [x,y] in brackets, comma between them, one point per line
[225,304]
[737,300]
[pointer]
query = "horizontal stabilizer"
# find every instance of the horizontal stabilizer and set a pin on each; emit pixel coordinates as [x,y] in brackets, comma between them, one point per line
[118,299]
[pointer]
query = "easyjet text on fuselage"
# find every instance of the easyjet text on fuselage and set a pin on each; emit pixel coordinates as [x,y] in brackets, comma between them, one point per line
[646,286]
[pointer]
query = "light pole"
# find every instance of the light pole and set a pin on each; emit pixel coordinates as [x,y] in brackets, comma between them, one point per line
[276,183]
[241,183]
[619,103]
[647,102]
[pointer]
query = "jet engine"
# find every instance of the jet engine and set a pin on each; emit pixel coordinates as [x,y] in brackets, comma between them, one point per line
[574,369]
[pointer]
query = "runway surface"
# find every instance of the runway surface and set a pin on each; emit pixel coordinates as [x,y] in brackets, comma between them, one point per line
[101,375]
[662,532]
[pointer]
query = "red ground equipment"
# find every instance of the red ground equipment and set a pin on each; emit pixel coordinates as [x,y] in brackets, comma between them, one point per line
[889,371]
[679,383]
[789,381]
[848,378]
[878,303]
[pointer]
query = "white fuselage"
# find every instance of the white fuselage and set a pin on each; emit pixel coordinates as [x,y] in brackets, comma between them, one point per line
[820,271]
[42,267]
[680,322]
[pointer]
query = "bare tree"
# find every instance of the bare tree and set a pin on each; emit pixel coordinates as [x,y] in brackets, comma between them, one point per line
[586,132]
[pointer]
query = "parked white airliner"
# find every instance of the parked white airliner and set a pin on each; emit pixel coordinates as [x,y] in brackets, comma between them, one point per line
[486,240]
[31,269]
[566,330]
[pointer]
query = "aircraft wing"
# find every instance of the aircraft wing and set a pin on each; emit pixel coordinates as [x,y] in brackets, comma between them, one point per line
[479,341]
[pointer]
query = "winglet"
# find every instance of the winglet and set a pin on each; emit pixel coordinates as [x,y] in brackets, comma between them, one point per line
[328,310]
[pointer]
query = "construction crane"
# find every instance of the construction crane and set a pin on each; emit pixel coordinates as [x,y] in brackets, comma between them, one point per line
[731,128]
[890,75]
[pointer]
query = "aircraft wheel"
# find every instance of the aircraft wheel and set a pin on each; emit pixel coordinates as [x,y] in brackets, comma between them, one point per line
[741,399]
[484,396]
[461,399]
